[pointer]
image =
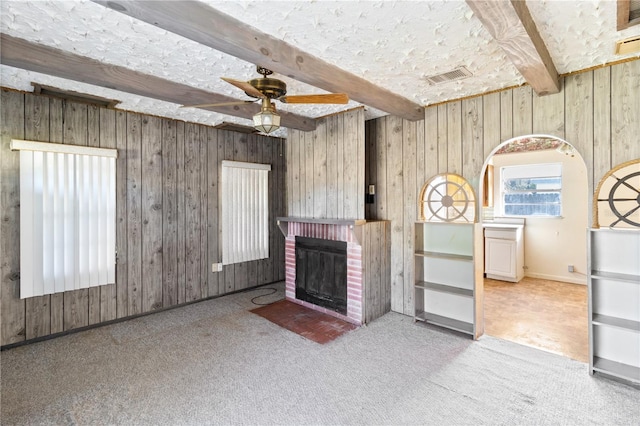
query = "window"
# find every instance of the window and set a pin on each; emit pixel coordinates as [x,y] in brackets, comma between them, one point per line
[532,190]
[245,211]
[617,197]
[447,197]
[67,217]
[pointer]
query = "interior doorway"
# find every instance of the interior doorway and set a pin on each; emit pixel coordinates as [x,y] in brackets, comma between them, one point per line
[542,179]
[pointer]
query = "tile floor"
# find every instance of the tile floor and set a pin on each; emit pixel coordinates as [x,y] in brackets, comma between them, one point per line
[549,315]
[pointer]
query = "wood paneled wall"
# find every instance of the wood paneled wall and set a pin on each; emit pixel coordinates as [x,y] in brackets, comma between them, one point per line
[325,168]
[168,213]
[376,251]
[598,112]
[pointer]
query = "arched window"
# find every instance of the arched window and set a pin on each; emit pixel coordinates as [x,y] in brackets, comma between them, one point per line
[616,202]
[447,197]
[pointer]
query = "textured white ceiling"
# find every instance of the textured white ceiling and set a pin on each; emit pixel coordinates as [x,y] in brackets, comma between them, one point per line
[395,44]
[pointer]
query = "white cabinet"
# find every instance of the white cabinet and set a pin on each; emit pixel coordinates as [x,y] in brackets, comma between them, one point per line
[500,257]
[614,303]
[445,276]
[503,252]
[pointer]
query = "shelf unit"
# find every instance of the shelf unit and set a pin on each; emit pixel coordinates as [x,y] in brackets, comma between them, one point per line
[614,303]
[446,273]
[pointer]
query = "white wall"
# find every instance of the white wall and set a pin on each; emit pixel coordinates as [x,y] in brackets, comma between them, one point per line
[551,244]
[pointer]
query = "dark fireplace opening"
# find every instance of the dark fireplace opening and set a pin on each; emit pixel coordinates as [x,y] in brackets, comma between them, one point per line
[321,273]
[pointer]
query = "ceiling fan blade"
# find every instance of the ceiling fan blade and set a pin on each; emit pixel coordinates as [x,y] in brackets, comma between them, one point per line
[330,98]
[246,86]
[218,104]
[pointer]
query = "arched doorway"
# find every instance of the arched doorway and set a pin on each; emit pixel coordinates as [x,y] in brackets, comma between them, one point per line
[543,180]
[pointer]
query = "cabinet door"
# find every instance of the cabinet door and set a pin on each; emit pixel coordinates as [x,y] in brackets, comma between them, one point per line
[500,257]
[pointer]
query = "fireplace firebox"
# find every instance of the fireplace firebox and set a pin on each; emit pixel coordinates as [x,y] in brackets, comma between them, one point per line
[321,273]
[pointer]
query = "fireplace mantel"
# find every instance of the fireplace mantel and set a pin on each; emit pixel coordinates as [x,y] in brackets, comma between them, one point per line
[352,224]
[283,221]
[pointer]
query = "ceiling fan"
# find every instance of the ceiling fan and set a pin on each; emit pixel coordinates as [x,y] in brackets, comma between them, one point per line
[267,89]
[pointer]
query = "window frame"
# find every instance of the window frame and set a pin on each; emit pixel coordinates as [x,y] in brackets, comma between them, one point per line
[531,171]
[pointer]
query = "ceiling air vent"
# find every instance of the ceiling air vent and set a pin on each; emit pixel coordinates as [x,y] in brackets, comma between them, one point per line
[456,74]
[628,45]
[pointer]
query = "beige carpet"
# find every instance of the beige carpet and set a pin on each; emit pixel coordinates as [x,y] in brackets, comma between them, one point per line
[215,362]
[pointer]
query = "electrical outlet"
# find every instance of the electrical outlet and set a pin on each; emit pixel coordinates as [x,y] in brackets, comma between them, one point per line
[216,267]
[570,268]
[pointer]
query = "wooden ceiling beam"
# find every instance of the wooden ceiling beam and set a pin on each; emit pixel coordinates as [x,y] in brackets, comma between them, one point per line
[510,23]
[626,16]
[199,22]
[31,56]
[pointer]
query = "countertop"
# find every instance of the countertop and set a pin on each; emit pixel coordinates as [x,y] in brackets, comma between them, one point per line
[502,225]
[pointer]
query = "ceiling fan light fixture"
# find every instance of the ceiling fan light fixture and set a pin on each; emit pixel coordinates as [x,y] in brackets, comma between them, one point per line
[267,120]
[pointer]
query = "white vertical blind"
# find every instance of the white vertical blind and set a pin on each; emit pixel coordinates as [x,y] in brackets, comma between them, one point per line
[531,171]
[67,217]
[245,211]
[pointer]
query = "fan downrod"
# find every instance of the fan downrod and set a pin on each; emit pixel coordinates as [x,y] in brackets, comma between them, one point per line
[263,71]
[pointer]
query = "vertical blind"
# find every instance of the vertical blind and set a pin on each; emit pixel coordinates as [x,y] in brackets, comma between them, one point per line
[245,211]
[67,217]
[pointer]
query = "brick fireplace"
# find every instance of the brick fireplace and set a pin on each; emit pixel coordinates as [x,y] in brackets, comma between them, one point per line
[354,282]
[368,258]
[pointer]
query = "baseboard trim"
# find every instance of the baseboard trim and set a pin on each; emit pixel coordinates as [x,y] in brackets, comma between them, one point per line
[117,320]
[578,280]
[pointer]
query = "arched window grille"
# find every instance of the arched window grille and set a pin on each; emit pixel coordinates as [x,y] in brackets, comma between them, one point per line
[447,197]
[616,202]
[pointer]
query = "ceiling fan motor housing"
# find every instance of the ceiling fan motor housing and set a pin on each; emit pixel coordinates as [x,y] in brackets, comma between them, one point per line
[270,87]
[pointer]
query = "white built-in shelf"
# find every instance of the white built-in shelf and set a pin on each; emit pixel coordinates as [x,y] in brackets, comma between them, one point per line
[617,369]
[444,288]
[450,256]
[614,303]
[453,324]
[622,323]
[445,276]
[616,276]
